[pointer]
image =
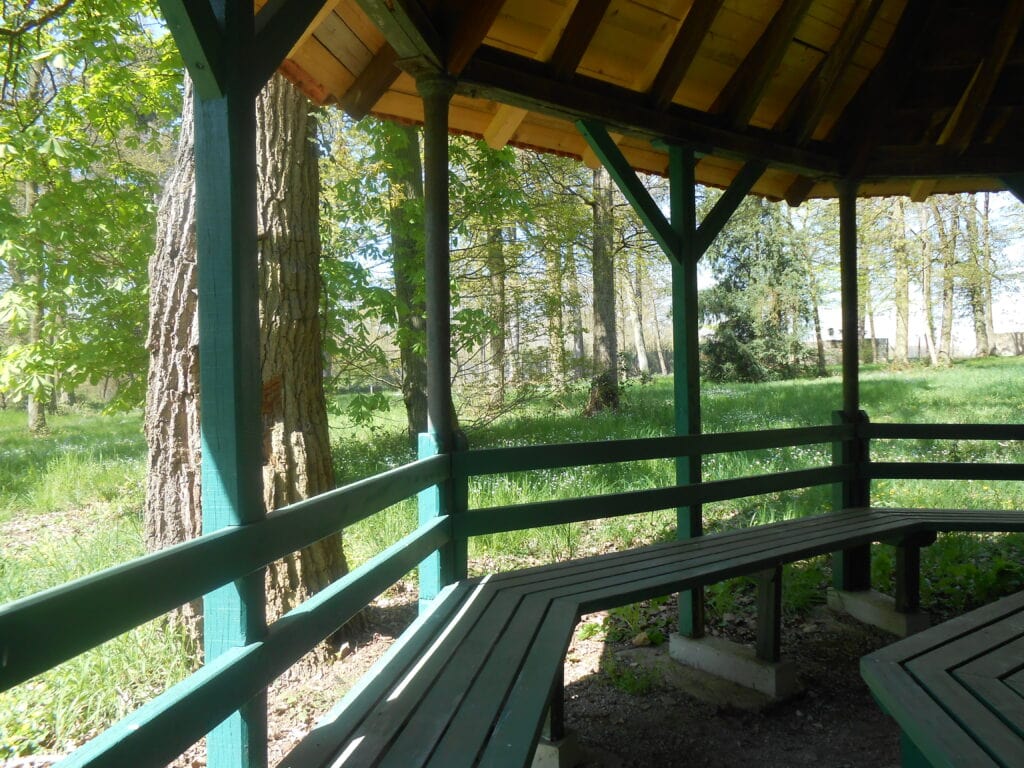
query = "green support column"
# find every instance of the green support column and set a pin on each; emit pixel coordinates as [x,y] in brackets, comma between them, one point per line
[449,564]
[686,362]
[225,149]
[851,568]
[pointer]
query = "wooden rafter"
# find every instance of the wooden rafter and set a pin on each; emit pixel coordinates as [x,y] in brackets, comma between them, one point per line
[813,99]
[684,48]
[865,117]
[739,98]
[474,20]
[525,83]
[727,204]
[372,83]
[503,125]
[408,28]
[280,26]
[580,30]
[199,38]
[963,121]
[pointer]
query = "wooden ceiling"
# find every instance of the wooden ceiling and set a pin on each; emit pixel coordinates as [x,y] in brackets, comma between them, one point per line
[910,96]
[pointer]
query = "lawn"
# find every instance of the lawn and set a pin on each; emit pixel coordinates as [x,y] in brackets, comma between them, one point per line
[70,504]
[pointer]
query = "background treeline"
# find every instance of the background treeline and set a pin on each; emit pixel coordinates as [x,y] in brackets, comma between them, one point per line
[554,278]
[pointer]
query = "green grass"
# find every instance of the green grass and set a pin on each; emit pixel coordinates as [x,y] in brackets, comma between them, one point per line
[87,476]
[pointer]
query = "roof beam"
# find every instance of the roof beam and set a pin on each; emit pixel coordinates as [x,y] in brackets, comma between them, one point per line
[959,132]
[683,51]
[813,99]
[407,26]
[372,83]
[927,161]
[632,188]
[280,26]
[799,189]
[580,30]
[525,83]
[865,116]
[472,25]
[503,125]
[727,204]
[1015,184]
[198,35]
[739,98]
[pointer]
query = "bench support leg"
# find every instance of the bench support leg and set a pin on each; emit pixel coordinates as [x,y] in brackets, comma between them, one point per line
[557,748]
[769,614]
[908,572]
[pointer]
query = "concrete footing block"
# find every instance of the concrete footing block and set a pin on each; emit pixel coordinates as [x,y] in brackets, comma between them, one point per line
[878,610]
[736,663]
[564,753]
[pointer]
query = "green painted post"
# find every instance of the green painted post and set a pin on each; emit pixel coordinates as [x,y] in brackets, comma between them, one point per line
[686,362]
[449,564]
[225,149]
[851,568]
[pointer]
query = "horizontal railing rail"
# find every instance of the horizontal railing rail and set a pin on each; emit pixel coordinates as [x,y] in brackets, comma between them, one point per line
[105,604]
[164,727]
[935,470]
[488,520]
[900,431]
[488,461]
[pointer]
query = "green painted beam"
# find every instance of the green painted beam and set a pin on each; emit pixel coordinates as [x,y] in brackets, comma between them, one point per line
[631,187]
[490,461]
[198,36]
[229,366]
[279,26]
[488,520]
[686,360]
[895,431]
[1015,184]
[160,730]
[727,204]
[408,27]
[935,470]
[150,586]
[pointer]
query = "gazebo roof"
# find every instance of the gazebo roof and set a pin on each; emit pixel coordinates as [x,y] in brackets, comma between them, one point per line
[909,96]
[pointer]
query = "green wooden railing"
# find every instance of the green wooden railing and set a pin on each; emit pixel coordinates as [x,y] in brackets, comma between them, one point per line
[42,630]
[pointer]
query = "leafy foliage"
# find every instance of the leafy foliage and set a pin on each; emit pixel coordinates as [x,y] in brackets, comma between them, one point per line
[89,94]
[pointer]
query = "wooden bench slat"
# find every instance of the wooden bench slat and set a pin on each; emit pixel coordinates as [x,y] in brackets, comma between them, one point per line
[492,646]
[922,719]
[1001,699]
[512,743]
[333,728]
[480,709]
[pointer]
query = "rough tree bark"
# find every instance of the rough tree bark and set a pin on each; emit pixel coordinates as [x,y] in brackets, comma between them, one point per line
[926,287]
[635,283]
[405,176]
[604,391]
[496,274]
[947,244]
[901,284]
[974,281]
[297,448]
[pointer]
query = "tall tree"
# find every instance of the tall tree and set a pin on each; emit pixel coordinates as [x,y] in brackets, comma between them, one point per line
[295,428]
[604,392]
[901,283]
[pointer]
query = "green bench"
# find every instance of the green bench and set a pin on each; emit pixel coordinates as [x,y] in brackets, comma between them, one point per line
[472,680]
[957,689]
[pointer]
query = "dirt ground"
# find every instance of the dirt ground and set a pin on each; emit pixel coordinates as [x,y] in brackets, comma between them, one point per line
[679,717]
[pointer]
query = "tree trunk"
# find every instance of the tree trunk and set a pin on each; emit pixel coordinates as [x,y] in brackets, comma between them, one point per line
[405,223]
[295,429]
[662,361]
[499,307]
[901,286]
[604,392]
[926,289]
[297,447]
[554,269]
[974,282]
[637,294]
[575,301]
[173,511]
[947,244]
[987,268]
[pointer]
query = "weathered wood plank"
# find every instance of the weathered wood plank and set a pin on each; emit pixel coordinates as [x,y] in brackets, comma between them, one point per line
[925,470]
[897,431]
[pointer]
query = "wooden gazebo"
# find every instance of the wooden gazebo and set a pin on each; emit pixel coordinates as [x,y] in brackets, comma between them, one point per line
[788,99]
